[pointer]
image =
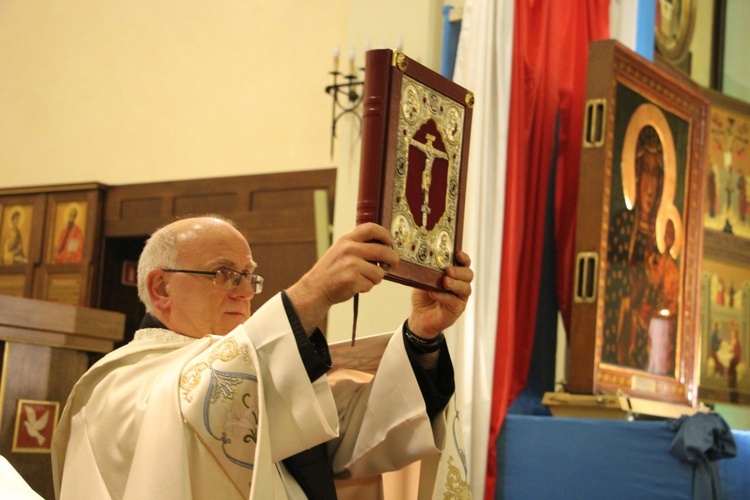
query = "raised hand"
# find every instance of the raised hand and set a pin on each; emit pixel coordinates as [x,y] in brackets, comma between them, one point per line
[432,312]
[349,267]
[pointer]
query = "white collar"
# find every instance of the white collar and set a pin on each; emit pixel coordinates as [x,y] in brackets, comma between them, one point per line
[162,335]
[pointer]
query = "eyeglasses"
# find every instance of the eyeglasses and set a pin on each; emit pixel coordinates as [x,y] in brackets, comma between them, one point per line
[227,279]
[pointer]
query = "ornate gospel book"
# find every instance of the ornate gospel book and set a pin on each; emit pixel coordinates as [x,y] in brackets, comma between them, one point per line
[415,145]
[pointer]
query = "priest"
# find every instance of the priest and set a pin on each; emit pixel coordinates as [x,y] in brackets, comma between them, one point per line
[208,401]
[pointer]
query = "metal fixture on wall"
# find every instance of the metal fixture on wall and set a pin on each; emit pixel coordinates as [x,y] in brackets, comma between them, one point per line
[346,91]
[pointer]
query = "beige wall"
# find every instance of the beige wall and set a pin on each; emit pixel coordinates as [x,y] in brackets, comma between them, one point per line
[153,90]
[417,25]
[737,37]
[736,61]
[139,91]
[700,47]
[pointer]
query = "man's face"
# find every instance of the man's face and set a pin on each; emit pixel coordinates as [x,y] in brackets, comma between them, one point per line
[197,307]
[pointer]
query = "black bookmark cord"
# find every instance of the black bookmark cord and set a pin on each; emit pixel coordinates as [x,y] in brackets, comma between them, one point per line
[354,321]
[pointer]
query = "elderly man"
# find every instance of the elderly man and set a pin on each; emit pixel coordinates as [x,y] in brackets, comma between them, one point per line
[209,402]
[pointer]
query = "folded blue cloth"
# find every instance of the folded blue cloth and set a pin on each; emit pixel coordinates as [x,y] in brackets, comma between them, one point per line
[701,440]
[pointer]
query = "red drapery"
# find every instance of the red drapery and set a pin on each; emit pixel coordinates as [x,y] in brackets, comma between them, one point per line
[550,49]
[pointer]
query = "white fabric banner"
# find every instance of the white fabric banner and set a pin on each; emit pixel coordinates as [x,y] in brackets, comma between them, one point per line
[483,65]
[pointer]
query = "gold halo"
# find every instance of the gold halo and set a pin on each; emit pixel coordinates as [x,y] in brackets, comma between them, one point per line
[69,208]
[648,114]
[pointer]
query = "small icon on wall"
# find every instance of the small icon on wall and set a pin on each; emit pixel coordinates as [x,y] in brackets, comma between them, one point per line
[36,422]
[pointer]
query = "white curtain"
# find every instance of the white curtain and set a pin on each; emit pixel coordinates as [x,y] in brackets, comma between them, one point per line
[483,65]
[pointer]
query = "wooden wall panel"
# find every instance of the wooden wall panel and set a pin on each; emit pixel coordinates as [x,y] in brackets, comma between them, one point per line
[275,212]
[35,372]
[137,209]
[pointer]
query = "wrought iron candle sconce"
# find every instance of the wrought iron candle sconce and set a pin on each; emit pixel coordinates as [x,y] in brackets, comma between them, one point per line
[346,91]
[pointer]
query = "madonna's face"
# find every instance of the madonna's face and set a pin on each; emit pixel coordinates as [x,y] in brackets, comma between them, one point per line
[650,182]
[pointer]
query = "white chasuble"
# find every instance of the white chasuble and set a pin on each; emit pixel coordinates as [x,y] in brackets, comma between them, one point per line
[171,417]
[447,475]
[394,427]
[253,405]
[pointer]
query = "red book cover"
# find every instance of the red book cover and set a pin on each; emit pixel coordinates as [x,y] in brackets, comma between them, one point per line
[416,126]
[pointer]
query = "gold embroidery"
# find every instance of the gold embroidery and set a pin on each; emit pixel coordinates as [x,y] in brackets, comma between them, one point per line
[224,386]
[226,350]
[190,379]
[219,393]
[456,487]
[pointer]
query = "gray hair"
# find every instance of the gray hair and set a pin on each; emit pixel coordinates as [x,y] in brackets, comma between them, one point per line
[160,252]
